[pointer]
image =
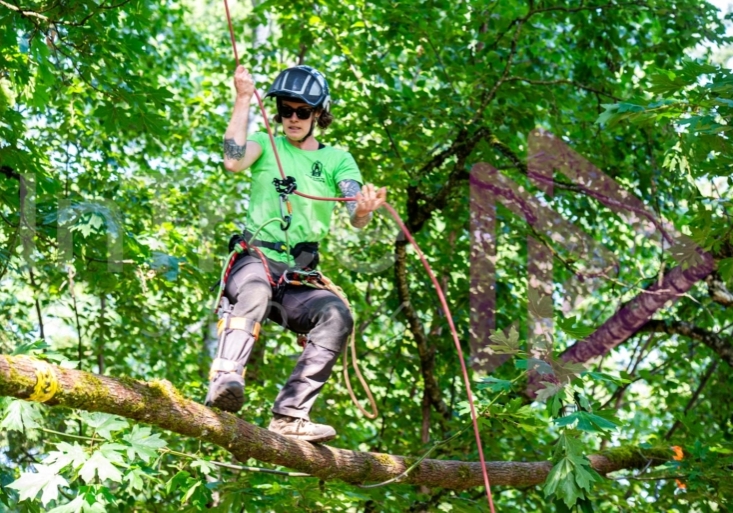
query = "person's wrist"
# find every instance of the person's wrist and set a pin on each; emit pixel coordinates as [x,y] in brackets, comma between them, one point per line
[244,97]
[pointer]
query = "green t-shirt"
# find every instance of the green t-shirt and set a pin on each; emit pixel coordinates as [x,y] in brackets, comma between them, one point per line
[316,173]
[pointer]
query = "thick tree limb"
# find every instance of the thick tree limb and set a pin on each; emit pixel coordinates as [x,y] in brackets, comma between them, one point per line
[160,404]
[637,312]
[722,345]
[633,316]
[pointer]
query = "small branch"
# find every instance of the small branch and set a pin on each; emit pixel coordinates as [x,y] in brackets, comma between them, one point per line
[23,12]
[562,81]
[37,302]
[100,335]
[425,351]
[165,450]
[492,92]
[80,347]
[723,346]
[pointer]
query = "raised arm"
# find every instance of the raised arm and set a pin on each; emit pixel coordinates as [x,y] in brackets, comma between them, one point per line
[238,154]
[368,199]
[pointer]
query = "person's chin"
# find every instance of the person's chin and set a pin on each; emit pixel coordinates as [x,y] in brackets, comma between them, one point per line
[294,133]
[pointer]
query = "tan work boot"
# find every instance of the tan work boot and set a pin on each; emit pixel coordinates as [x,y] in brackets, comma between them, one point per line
[301,429]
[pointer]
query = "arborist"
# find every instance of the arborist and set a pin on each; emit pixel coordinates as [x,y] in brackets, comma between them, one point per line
[303,101]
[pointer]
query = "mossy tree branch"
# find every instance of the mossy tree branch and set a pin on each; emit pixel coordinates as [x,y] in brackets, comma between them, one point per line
[158,403]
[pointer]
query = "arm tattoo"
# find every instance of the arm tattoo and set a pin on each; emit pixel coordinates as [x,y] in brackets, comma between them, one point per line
[349,188]
[234,151]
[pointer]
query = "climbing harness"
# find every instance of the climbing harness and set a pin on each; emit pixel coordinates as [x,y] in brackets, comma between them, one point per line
[428,269]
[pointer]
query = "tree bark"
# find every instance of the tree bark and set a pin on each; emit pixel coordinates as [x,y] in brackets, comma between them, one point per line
[637,312]
[158,403]
[633,316]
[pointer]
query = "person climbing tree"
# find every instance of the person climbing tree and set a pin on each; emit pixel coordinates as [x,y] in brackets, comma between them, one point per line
[303,100]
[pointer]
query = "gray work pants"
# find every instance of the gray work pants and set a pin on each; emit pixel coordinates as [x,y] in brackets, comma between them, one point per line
[303,310]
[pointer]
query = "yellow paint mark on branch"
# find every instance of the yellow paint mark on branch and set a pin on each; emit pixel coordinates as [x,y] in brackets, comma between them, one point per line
[46,385]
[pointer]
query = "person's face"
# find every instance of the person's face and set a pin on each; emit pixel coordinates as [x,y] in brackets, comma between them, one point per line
[296,128]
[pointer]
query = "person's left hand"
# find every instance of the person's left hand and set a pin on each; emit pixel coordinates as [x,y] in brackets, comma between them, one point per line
[369,200]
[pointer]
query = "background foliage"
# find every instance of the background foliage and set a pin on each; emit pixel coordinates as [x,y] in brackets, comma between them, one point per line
[115,213]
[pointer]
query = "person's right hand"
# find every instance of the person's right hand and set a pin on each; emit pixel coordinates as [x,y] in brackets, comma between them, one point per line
[243,82]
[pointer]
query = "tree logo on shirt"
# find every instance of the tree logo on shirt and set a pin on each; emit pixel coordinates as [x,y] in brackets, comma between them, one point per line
[317,171]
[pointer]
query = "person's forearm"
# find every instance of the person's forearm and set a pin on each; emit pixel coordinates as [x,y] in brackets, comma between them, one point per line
[349,189]
[235,137]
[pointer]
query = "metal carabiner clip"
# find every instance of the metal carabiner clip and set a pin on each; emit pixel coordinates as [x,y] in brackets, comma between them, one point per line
[285,218]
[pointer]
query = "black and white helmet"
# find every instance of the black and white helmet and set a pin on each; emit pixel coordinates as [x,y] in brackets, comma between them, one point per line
[303,83]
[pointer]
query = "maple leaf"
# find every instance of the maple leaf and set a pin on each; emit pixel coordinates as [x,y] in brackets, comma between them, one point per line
[143,443]
[45,480]
[504,344]
[539,307]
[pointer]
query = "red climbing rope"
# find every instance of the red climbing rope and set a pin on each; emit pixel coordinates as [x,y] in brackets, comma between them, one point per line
[438,289]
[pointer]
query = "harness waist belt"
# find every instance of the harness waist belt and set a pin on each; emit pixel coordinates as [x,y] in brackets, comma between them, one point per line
[281,247]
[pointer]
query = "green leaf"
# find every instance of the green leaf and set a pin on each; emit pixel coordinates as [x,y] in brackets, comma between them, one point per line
[587,422]
[205,466]
[136,478]
[103,423]
[66,454]
[494,384]
[100,464]
[143,443]
[570,329]
[30,348]
[550,390]
[725,268]
[503,343]
[45,480]
[190,492]
[585,477]
[666,83]
[608,378]
[176,481]
[686,253]
[21,415]
[76,506]
[561,472]
[539,307]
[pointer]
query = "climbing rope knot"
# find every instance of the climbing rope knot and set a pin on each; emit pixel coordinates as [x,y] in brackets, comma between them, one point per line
[46,385]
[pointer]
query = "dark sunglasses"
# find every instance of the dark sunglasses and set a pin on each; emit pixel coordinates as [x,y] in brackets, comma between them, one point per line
[286,112]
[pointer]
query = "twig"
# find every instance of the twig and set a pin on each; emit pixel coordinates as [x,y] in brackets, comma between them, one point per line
[562,81]
[165,450]
[37,302]
[24,12]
